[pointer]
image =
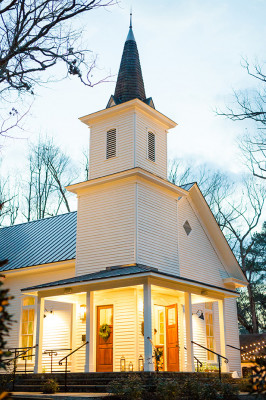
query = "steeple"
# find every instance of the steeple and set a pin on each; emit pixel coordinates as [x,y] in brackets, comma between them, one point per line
[129,83]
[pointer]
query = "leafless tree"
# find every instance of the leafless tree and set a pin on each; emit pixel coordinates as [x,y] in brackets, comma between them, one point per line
[35,35]
[238,215]
[9,202]
[50,170]
[251,106]
[86,163]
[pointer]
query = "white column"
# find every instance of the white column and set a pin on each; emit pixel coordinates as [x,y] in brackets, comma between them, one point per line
[189,333]
[225,367]
[89,364]
[148,360]
[39,335]
[181,338]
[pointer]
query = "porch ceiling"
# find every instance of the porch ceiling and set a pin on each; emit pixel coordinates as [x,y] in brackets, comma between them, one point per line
[127,276]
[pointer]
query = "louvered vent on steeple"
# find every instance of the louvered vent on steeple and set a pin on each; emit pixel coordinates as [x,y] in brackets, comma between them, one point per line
[111,143]
[151,146]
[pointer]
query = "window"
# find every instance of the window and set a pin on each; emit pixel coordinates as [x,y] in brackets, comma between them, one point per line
[151,146]
[209,330]
[27,327]
[111,143]
[159,326]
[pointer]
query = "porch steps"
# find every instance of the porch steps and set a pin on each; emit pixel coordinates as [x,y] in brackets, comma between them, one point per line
[96,382]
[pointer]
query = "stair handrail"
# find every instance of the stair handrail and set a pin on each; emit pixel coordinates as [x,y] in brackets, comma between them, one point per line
[218,355]
[51,353]
[20,355]
[199,363]
[233,347]
[66,357]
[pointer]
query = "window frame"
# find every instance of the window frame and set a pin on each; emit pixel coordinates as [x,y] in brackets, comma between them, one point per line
[210,311]
[28,307]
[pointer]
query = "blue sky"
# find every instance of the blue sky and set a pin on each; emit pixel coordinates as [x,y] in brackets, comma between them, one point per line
[190,53]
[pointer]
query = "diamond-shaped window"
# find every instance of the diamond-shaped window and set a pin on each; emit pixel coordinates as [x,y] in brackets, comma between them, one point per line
[187,227]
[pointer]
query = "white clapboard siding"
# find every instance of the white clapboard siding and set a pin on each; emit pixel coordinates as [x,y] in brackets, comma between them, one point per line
[99,165]
[157,229]
[105,234]
[232,335]
[143,126]
[56,333]
[18,281]
[124,323]
[199,333]
[198,258]
[80,354]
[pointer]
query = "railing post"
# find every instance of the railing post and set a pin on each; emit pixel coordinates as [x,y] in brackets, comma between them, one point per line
[189,333]
[66,376]
[219,364]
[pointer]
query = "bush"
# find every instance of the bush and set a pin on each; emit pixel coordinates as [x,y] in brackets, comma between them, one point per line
[129,387]
[50,386]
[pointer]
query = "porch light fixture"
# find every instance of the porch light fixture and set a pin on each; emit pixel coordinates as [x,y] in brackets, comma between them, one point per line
[141,363]
[47,312]
[82,312]
[130,366]
[122,364]
[200,314]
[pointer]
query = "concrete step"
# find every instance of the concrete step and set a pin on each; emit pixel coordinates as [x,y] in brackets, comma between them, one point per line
[70,388]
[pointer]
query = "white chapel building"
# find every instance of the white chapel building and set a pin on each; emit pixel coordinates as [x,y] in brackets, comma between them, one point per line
[142,264]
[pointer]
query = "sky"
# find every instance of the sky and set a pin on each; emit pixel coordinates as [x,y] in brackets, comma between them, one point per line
[190,53]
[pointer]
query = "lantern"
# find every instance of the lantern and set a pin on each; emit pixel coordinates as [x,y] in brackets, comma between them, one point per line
[122,364]
[130,366]
[141,363]
[82,312]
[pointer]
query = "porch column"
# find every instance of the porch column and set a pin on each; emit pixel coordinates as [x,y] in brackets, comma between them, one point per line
[189,333]
[225,367]
[89,364]
[39,335]
[148,361]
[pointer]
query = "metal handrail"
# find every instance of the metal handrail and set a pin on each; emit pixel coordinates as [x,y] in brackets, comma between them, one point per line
[218,355]
[199,363]
[20,355]
[66,357]
[53,352]
[233,347]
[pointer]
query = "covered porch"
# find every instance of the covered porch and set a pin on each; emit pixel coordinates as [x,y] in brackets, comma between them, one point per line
[121,317]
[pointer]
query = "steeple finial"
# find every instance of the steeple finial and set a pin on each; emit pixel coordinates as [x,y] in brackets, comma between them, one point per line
[130,25]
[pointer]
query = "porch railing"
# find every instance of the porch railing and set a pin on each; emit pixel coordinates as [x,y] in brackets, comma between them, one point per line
[219,356]
[20,352]
[66,358]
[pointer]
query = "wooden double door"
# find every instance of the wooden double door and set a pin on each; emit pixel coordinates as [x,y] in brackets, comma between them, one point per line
[104,346]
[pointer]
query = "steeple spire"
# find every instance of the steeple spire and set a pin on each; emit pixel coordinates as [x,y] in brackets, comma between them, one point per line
[129,83]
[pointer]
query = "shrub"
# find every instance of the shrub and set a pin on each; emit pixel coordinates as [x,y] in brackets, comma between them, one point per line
[50,386]
[129,387]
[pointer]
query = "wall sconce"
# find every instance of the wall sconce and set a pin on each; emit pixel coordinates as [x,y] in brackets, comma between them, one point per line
[130,366]
[122,364]
[141,363]
[200,314]
[82,312]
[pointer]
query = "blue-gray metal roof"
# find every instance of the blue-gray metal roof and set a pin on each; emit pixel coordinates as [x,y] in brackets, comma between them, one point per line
[187,186]
[39,242]
[116,271]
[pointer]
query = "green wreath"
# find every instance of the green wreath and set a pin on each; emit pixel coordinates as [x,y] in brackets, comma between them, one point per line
[105,331]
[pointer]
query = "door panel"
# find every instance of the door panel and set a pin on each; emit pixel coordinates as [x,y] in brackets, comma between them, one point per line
[104,352]
[172,338]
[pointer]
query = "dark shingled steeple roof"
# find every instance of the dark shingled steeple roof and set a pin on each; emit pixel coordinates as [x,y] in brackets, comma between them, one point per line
[129,83]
